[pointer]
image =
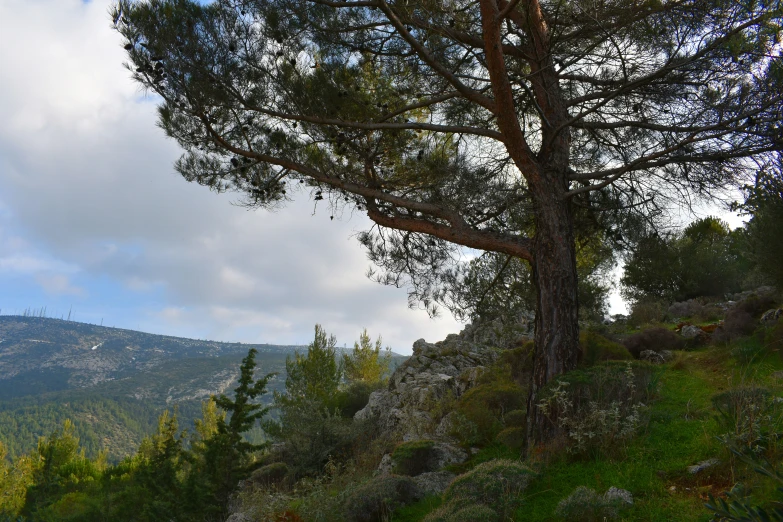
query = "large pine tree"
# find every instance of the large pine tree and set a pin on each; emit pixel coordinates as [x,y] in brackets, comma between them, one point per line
[468,123]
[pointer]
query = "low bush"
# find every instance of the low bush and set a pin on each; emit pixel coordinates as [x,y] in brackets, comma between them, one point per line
[413,458]
[737,323]
[520,362]
[749,418]
[513,438]
[496,483]
[646,312]
[354,397]
[375,500]
[755,305]
[480,411]
[600,406]
[585,505]
[270,474]
[515,419]
[686,309]
[457,513]
[655,339]
[597,348]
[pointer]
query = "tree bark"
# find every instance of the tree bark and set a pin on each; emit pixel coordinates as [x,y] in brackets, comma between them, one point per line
[557,306]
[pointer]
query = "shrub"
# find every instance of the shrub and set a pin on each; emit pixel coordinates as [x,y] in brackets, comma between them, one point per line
[269,474]
[520,362]
[481,409]
[413,458]
[749,417]
[596,348]
[497,483]
[737,323]
[655,339]
[354,397]
[748,349]
[599,406]
[585,505]
[457,513]
[686,309]
[378,498]
[755,305]
[513,438]
[515,419]
[646,312]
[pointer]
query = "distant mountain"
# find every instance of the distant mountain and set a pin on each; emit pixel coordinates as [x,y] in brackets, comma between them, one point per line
[113,383]
[41,355]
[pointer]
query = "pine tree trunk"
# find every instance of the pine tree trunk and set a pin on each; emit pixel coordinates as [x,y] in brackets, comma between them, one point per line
[557,307]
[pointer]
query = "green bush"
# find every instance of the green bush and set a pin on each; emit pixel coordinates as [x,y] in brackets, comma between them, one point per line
[585,505]
[519,360]
[515,419]
[513,438]
[481,409]
[378,498]
[749,418]
[596,348]
[355,397]
[413,458]
[269,474]
[646,312]
[599,406]
[497,483]
[457,513]
[655,339]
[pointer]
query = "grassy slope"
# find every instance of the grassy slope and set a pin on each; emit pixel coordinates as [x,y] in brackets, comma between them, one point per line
[681,432]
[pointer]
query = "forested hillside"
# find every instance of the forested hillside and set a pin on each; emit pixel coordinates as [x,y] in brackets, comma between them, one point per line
[111,383]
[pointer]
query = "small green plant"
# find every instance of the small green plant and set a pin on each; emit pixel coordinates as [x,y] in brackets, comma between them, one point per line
[600,406]
[472,513]
[738,506]
[749,417]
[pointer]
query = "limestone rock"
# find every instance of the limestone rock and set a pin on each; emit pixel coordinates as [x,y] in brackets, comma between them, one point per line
[701,466]
[386,465]
[435,370]
[656,357]
[434,482]
[690,331]
[619,496]
[772,316]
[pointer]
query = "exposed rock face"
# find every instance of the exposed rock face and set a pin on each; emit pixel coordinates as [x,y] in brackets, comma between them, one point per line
[452,366]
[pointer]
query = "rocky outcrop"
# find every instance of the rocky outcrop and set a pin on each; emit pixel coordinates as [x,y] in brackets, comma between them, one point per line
[435,370]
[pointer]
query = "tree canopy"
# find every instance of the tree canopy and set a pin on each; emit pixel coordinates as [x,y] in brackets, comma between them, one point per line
[501,126]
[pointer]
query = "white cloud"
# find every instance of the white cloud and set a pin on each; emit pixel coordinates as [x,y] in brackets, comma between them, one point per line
[58,285]
[87,178]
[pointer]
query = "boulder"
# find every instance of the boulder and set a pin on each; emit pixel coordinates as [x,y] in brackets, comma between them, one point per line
[435,370]
[618,496]
[434,482]
[701,466]
[772,316]
[656,357]
[690,331]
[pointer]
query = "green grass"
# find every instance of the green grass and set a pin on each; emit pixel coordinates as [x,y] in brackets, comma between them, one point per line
[681,431]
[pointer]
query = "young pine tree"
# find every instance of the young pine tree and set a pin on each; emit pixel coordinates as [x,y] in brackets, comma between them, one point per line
[366,363]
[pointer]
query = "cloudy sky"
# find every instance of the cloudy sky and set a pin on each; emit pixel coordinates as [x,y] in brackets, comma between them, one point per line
[94,220]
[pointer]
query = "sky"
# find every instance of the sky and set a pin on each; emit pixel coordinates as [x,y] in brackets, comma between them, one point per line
[95,222]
